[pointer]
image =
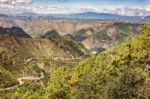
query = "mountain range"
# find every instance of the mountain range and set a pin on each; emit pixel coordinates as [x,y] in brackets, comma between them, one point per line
[53,56]
[89,15]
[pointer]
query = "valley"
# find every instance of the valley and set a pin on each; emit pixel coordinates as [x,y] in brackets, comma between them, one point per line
[94,35]
[38,56]
[74,49]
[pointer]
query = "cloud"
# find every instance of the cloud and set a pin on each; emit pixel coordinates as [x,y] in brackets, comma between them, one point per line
[136,11]
[12,2]
[19,6]
[128,11]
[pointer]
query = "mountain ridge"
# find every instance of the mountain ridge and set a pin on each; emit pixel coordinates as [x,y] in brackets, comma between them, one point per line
[85,15]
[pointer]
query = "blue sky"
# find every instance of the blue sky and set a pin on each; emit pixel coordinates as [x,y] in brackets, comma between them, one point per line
[120,7]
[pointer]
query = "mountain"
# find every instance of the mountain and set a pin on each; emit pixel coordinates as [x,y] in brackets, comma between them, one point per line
[146,18]
[94,15]
[44,58]
[85,16]
[95,35]
[121,72]
[14,31]
[26,14]
[4,15]
[27,56]
[104,37]
[104,16]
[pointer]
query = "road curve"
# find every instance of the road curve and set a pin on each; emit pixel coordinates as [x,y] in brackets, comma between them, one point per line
[21,81]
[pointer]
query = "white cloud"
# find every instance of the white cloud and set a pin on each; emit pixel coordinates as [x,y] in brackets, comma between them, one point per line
[15,1]
[18,6]
[129,11]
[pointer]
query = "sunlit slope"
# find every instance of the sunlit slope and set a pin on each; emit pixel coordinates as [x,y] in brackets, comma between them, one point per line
[121,72]
[16,54]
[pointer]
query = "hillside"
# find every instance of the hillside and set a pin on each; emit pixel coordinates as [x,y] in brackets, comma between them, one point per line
[36,27]
[48,63]
[14,31]
[119,72]
[95,35]
[26,56]
[105,37]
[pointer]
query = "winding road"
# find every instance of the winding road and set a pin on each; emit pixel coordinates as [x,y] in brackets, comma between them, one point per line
[21,81]
[56,58]
[33,78]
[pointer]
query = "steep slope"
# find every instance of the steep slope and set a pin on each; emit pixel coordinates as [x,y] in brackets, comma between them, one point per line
[14,31]
[6,78]
[105,37]
[36,27]
[121,72]
[12,58]
[23,56]
[95,35]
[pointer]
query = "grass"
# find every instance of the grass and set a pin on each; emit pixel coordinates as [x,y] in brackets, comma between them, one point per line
[102,36]
[6,78]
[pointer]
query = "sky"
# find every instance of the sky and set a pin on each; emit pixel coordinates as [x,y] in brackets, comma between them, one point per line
[120,7]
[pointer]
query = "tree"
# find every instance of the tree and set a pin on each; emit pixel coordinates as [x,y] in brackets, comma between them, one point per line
[58,86]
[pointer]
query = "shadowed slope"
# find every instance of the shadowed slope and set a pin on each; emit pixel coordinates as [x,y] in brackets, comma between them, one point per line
[14,31]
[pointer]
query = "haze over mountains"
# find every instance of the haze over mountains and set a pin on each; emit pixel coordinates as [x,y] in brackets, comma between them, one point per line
[95,34]
[86,15]
[74,49]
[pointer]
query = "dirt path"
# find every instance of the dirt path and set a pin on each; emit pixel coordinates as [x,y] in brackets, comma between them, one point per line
[56,58]
[9,88]
[33,78]
[21,81]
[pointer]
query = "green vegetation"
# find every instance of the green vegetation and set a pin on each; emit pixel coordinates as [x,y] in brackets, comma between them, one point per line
[6,78]
[102,36]
[118,73]
[25,56]
[105,36]
[121,72]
